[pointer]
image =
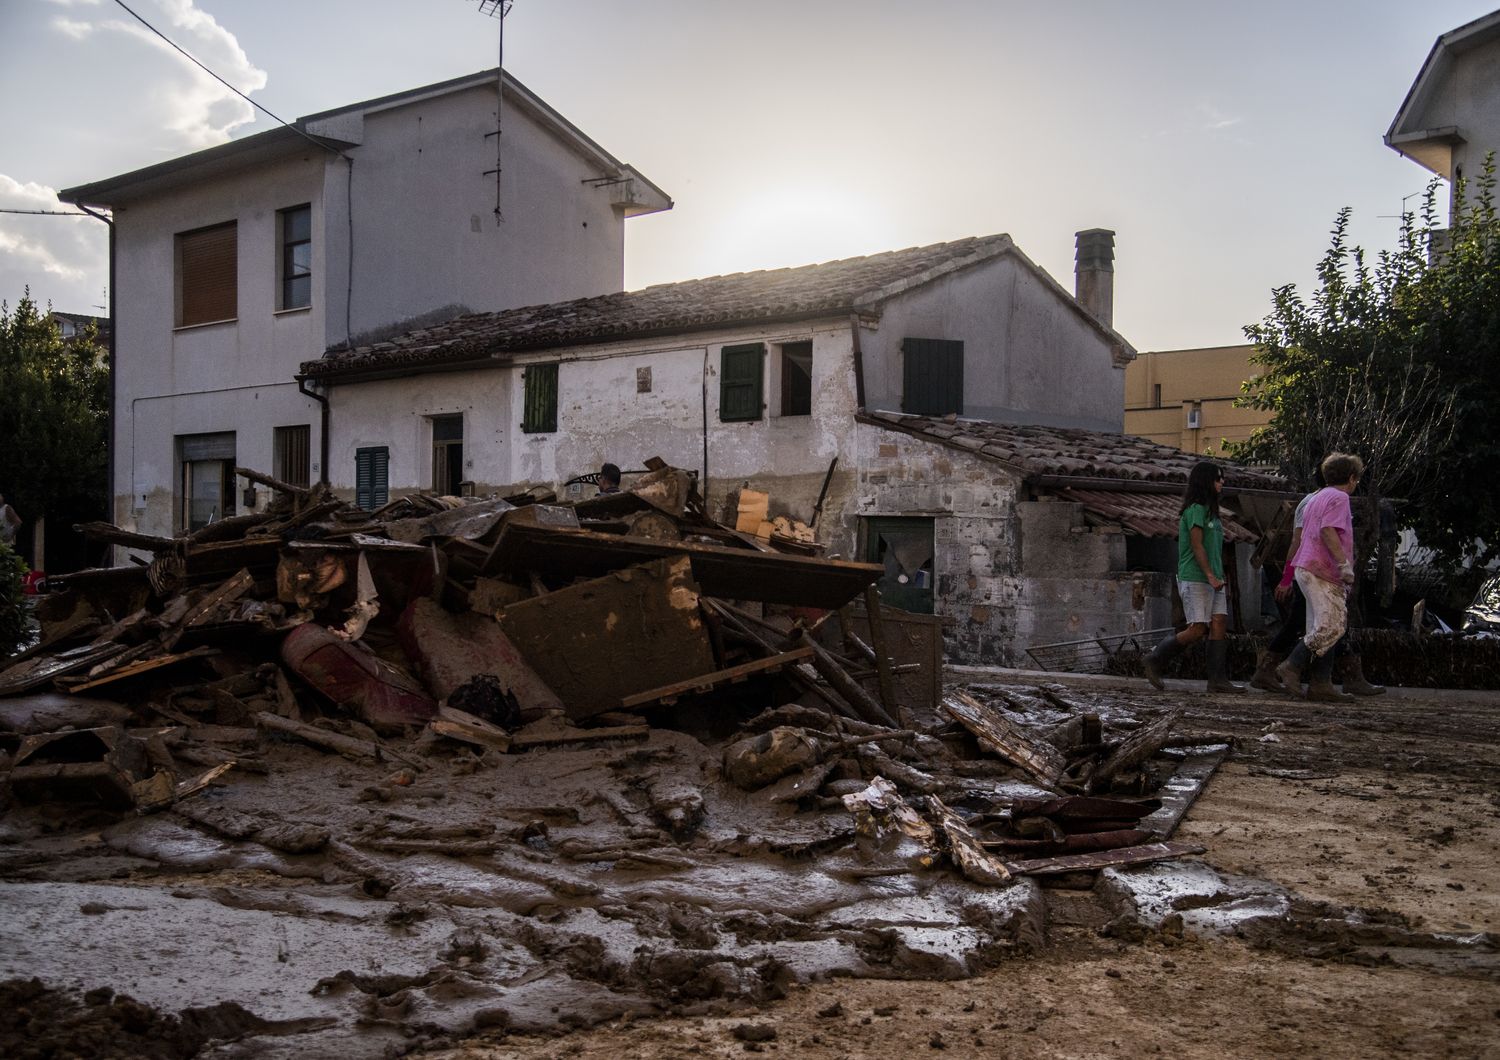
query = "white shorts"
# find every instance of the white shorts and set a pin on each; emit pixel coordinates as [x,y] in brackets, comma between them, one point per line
[1201,601]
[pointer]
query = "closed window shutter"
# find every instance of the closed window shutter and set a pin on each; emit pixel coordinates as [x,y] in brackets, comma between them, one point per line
[208,275]
[932,377]
[740,382]
[540,413]
[371,485]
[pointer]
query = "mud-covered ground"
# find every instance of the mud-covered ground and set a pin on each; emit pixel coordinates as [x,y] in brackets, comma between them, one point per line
[621,901]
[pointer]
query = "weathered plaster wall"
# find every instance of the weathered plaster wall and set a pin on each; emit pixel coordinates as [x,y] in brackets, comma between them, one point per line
[1468,97]
[1008,573]
[1028,356]
[603,415]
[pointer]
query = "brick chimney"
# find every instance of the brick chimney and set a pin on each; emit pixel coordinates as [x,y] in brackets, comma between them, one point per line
[1094,273]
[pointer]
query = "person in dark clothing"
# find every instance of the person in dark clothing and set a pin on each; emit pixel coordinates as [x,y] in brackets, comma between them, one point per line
[609,478]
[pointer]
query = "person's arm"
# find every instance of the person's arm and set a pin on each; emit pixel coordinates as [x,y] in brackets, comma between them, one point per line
[1284,587]
[1201,555]
[11,516]
[1335,547]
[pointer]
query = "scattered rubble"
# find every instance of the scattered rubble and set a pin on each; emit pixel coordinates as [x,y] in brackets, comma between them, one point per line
[585,760]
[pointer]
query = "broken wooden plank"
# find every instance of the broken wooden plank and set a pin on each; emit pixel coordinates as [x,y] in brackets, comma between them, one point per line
[134,668]
[110,534]
[332,741]
[34,673]
[1037,758]
[230,591]
[528,741]
[881,652]
[1133,750]
[1102,859]
[706,682]
[1179,793]
[868,707]
[971,859]
[298,492]
[461,725]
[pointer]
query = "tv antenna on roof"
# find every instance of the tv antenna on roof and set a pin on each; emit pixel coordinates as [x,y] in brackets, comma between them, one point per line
[498,9]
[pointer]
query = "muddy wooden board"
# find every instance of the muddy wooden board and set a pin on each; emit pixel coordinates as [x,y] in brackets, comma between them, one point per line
[1180,792]
[1102,859]
[671,693]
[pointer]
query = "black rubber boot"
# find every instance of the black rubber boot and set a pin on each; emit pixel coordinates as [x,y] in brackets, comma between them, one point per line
[1350,672]
[1218,668]
[1156,663]
[1265,672]
[1320,682]
[1290,671]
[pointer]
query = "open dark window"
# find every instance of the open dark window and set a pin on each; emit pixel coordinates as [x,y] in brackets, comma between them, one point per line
[292,454]
[206,478]
[540,413]
[796,379]
[740,391]
[932,377]
[447,454]
[296,257]
[905,547]
[207,275]
[371,477]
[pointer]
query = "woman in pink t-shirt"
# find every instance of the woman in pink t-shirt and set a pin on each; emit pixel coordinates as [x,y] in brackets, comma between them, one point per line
[1325,570]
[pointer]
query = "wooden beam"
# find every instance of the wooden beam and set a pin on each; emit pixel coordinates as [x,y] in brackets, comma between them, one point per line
[708,681]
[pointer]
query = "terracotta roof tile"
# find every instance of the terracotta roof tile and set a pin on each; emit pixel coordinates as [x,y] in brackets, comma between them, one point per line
[1034,451]
[741,298]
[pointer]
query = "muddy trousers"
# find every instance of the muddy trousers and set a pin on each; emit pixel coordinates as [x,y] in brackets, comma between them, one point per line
[1327,613]
[1295,625]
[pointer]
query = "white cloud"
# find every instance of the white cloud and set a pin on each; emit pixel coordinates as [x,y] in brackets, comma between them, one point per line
[1217,119]
[57,256]
[190,108]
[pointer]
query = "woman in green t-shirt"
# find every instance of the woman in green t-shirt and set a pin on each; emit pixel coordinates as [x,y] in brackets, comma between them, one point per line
[1200,580]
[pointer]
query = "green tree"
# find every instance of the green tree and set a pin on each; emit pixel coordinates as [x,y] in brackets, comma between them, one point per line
[14,621]
[1398,362]
[54,400]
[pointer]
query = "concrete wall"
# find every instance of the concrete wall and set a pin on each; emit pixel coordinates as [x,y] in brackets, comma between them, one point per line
[1206,380]
[1029,357]
[1468,97]
[1009,573]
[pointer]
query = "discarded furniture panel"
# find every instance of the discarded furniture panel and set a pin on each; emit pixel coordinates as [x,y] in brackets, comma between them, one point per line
[450,650]
[911,639]
[354,677]
[600,641]
[43,669]
[461,725]
[729,573]
[1039,759]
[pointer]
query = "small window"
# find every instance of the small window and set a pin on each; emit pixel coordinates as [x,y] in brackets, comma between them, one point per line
[371,481]
[207,275]
[447,455]
[296,257]
[740,392]
[932,377]
[796,379]
[205,478]
[292,454]
[540,413]
[1156,395]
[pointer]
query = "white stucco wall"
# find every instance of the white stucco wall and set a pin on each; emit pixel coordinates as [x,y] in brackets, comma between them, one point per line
[1028,356]
[1468,96]
[230,376]
[425,244]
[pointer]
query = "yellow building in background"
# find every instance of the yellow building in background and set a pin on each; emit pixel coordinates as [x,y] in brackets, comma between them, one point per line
[1186,397]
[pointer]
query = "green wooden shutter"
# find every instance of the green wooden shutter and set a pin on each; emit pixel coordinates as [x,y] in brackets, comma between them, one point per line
[540,413]
[371,477]
[740,374]
[932,377]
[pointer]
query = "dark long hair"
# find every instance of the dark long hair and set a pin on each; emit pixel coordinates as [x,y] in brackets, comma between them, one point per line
[1200,488]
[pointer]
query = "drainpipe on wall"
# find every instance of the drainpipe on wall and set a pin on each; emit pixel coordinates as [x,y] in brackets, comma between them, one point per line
[109,444]
[1094,273]
[859,362]
[321,399]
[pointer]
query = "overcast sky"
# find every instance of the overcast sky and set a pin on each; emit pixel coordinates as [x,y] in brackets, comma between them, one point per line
[1217,137]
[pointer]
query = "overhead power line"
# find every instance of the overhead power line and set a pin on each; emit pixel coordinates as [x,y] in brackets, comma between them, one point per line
[190,58]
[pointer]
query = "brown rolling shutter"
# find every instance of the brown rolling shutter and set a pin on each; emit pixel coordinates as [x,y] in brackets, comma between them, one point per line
[207,275]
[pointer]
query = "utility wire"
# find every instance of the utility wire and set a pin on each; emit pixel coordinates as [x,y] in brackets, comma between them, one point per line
[177,48]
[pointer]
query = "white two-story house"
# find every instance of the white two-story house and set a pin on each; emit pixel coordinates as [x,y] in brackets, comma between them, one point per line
[235,264]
